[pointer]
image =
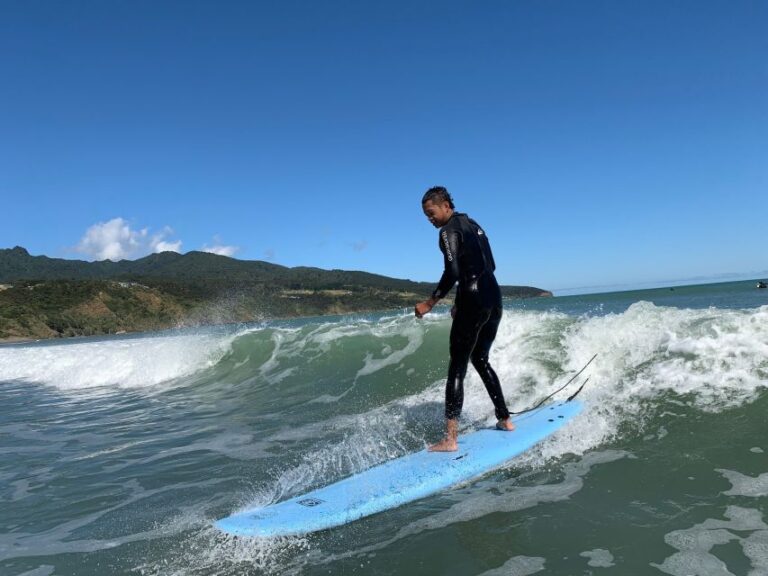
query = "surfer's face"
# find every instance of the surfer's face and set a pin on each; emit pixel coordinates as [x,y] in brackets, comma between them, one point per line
[437,213]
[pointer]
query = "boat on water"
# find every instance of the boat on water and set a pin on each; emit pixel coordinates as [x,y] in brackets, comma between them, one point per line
[762,284]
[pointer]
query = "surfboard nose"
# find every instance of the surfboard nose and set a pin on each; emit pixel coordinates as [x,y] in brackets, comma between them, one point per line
[230,526]
[240,525]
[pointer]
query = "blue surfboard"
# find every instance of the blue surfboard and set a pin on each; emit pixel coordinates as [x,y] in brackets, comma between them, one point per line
[399,481]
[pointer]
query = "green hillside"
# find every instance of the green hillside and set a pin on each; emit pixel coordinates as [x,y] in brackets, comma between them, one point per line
[43,297]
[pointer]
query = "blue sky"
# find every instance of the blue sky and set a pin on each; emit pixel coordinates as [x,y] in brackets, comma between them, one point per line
[614,143]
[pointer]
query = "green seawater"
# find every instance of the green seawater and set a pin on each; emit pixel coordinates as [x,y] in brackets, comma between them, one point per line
[117,454]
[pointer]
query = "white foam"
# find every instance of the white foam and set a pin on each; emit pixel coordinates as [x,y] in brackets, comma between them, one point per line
[124,363]
[368,439]
[695,544]
[415,335]
[598,558]
[742,485]
[719,356]
[400,336]
[205,550]
[313,341]
[43,570]
[755,547]
[713,358]
[518,566]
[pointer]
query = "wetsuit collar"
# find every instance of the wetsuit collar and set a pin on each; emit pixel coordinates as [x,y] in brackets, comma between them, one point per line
[450,219]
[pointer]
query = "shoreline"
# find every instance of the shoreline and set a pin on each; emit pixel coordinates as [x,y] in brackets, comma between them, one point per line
[16,340]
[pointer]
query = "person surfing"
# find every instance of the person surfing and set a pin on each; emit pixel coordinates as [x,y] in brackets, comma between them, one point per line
[476,313]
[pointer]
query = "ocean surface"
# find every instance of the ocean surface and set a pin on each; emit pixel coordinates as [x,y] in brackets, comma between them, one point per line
[117,454]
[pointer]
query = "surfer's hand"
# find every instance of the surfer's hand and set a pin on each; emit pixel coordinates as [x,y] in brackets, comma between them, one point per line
[424,307]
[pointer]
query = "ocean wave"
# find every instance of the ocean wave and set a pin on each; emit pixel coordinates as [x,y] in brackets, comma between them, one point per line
[243,410]
[717,357]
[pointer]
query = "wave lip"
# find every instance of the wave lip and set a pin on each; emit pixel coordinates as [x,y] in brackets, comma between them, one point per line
[130,363]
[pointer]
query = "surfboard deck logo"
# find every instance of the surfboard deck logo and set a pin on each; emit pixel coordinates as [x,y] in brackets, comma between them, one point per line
[310,502]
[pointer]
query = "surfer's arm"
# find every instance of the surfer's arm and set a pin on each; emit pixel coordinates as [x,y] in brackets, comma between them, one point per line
[449,245]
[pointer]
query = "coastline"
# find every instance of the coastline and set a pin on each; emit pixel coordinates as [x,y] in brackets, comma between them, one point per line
[17,340]
[14,340]
[48,298]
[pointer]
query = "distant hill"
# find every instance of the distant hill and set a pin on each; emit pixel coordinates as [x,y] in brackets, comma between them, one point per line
[48,297]
[17,264]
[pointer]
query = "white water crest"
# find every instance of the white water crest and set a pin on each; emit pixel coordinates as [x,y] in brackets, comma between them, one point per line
[123,363]
[719,356]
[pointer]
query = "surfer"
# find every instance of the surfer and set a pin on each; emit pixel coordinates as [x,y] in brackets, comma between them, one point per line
[476,313]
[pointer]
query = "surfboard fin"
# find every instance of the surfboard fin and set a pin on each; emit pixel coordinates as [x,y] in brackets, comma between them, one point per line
[572,396]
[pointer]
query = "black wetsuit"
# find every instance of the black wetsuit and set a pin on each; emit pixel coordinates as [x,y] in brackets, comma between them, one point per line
[469,261]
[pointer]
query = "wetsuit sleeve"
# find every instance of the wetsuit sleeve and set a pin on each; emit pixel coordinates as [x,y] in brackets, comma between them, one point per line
[450,241]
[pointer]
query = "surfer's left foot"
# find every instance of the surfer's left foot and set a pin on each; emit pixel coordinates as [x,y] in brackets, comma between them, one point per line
[445,445]
[505,425]
[450,442]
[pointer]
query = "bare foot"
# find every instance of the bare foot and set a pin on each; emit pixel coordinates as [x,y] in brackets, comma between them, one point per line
[505,425]
[445,445]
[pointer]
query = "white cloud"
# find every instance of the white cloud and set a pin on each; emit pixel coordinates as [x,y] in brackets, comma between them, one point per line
[219,248]
[116,240]
[159,243]
[163,246]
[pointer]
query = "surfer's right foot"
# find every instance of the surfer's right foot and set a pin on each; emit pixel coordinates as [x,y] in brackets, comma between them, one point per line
[505,425]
